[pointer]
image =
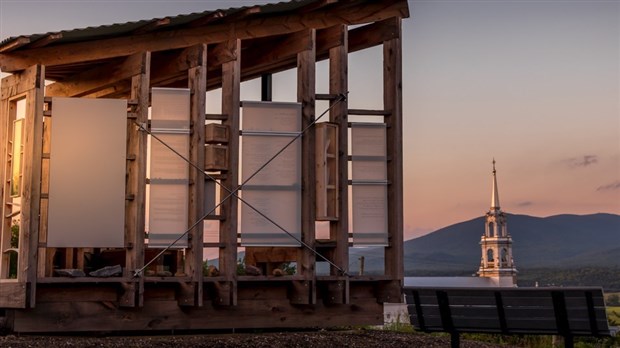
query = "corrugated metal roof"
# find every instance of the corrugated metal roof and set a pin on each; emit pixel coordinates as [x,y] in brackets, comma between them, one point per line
[120,29]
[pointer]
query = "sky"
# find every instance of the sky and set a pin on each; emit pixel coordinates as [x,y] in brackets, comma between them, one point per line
[533,84]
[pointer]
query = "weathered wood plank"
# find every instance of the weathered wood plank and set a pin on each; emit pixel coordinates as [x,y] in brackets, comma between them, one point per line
[198,88]
[306,82]
[231,79]
[167,315]
[392,100]
[367,11]
[12,294]
[338,84]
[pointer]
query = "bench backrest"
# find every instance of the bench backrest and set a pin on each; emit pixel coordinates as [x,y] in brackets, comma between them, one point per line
[559,311]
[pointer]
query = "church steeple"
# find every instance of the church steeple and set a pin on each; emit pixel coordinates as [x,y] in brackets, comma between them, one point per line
[495,193]
[496,244]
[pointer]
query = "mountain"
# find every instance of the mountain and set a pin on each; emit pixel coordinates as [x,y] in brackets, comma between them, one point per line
[559,241]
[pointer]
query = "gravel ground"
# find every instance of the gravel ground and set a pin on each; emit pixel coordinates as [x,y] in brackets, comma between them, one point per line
[354,338]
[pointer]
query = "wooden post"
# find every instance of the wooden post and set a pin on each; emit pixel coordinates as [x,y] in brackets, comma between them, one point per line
[136,183]
[197,76]
[338,78]
[392,99]
[231,83]
[306,78]
[31,181]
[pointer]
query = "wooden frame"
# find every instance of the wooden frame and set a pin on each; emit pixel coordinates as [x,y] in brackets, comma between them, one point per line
[213,51]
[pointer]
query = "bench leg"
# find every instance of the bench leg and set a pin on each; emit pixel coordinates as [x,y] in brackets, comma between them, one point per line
[455,340]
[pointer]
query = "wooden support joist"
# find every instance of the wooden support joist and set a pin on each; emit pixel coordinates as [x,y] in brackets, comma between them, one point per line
[46,40]
[367,11]
[97,79]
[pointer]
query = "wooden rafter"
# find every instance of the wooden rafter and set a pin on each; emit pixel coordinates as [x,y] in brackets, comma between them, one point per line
[46,40]
[153,25]
[19,42]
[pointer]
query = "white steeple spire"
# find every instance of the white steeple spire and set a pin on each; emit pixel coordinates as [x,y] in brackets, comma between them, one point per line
[495,194]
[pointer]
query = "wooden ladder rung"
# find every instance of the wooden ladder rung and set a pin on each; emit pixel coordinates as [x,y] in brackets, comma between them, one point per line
[326,96]
[367,112]
[216,117]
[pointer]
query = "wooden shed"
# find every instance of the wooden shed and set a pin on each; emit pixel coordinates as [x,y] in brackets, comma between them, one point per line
[103,209]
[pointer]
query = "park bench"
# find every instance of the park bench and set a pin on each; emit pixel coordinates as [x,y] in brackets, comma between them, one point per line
[567,312]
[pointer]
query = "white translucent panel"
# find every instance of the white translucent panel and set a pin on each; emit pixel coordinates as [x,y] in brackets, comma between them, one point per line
[281,206]
[368,139]
[170,106]
[168,215]
[369,170]
[285,169]
[164,162]
[276,190]
[87,173]
[370,215]
[169,173]
[270,116]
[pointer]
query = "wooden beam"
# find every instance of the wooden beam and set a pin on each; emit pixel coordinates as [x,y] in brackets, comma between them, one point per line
[231,87]
[285,47]
[338,84]
[99,78]
[366,11]
[174,64]
[221,53]
[31,183]
[392,100]
[374,34]
[209,18]
[197,77]
[152,25]
[316,5]
[306,82]
[17,43]
[46,40]
[135,182]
